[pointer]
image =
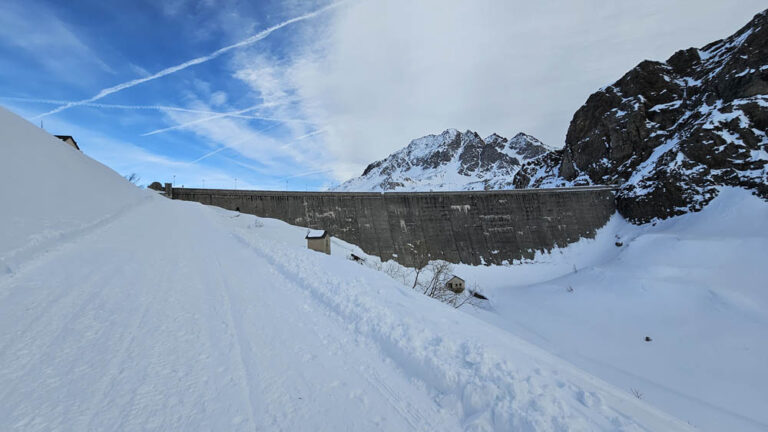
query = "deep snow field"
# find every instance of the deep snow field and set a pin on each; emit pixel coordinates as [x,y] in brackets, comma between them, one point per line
[697,285]
[122,310]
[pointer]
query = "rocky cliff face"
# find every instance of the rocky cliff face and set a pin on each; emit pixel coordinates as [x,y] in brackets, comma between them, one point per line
[452,160]
[671,133]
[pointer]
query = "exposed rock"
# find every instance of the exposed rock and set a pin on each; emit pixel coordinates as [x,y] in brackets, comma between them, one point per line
[452,160]
[672,133]
[156,186]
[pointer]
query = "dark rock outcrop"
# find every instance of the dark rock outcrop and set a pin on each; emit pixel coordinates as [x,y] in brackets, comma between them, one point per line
[156,186]
[672,132]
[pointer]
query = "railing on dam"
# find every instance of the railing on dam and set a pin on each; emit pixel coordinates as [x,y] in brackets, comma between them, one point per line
[379,194]
[474,227]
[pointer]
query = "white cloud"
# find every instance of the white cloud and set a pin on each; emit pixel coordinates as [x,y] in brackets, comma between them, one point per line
[218,98]
[279,154]
[384,72]
[264,75]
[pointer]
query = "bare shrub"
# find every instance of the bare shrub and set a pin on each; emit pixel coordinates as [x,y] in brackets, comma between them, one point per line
[431,278]
[133,178]
[421,258]
[396,272]
[636,393]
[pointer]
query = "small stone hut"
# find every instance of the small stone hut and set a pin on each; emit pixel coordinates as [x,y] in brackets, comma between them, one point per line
[455,284]
[69,140]
[319,240]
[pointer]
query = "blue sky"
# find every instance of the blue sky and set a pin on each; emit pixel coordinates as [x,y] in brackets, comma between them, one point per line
[311,103]
[56,51]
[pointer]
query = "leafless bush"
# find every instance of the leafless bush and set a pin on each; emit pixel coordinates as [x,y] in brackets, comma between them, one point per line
[430,277]
[440,272]
[396,272]
[421,258]
[133,178]
[636,393]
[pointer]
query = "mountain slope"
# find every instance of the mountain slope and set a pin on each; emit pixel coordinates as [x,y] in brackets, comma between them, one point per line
[452,160]
[150,314]
[672,132]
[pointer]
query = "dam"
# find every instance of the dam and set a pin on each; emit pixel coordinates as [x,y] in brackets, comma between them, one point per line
[471,227]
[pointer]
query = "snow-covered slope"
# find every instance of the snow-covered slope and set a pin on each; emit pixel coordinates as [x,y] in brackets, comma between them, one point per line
[50,191]
[694,284]
[140,313]
[452,160]
[672,132]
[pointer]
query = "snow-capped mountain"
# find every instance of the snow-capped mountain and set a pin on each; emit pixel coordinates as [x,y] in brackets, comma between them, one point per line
[452,160]
[672,133]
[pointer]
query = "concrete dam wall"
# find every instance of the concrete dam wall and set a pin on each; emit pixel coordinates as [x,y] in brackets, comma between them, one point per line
[472,227]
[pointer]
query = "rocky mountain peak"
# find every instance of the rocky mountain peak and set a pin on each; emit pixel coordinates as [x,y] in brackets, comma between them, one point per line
[451,160]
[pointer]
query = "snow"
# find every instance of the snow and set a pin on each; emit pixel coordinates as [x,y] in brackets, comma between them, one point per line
[315,233]
[129,311]
[645,169]
[421,166]
[695,284]
[64,207]
[666,106]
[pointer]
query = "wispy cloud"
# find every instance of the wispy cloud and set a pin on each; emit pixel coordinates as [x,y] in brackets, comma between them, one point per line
[201,120]
[209,154]
[35,28]
[309,173]
[384,72]
[173,69]
[215,116]
[210,115]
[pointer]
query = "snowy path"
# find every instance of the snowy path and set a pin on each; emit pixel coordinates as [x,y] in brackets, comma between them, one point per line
[172,318]
[155,340]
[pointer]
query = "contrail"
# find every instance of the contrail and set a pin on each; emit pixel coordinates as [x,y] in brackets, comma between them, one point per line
[299,138]
[173,69]
[238,113]
[147,108]
[209,154]
[308,173]
[201,120]
[317,132]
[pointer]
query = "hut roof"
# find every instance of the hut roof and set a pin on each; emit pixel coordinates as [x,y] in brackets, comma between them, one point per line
[68,137]
[316,234]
